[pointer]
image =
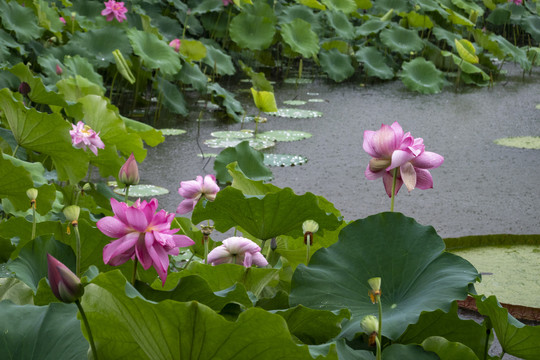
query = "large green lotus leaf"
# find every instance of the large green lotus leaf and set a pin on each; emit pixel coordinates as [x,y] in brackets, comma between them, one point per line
[374,63]
[402,40]
[41,332]
[448,36]
[515,337]
[171,97]
[290,13]
[339,350]
[417,20]
[372,26]
[9,42]
[201,7]
[80,66]
[20,20]
[249,160]
[458,19]
[299,36]
[469,7]
[77,87]
[233,106]
[248,186]
[14,181]
[531,24]
[191,74]
[264,217]
[345,6]
[417,275]
[513,52]
[193,50]
[422,76]
[150,135]
[16,291]
[399,6]
[218,60]
[407,352]
[31,264]
[450,326]
[312,326]
[98,44]
[154,52]
[47,134]
[38,92]
[448,350]
[253,31]
[125,326]
[340,45]
[341,25]
[338,66]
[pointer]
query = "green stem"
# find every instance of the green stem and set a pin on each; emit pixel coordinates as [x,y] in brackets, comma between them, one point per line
[308,245]
[188,262]
[15,152]
[134,274]
[486,344]
[127,194]
[394,179]
[379,335]
[77,250]
[377,341]
[112,86]
[87,326]
[33,221]
[205,240]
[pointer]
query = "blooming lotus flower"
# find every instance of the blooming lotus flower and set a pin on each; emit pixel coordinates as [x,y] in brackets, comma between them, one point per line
[194,190]
[237,250]
[129,172]
[82,136]
[391,148]
[113,10]
[175,44]
[62,20]
[65,285]
[141,233]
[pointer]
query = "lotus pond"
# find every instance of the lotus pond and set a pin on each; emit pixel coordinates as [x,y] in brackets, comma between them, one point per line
[210,179]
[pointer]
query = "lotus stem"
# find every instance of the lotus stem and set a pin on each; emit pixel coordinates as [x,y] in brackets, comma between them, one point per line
[205,240]
[379,335]
[394,179]
[77,248]
[135,263]
[33,221]
[127,194]
[15,152]
[87,326]
[112,86]
[308,245]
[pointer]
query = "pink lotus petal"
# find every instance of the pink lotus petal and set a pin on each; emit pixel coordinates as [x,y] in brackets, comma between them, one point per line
[190,189]
[182,241]
[122,247]
[161,261]
[424,180]
[408,175]
[370,175]
[400,157]
[387,181]
[185,206]
[112,227]
[259,259]
[136,219]
[428,160]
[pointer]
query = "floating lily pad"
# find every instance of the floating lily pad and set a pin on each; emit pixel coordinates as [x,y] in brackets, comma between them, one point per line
[207,155]
[312,94]
[522,142]
[316,100]
[138,191]
[296,113]
[232,134]
[256,143]
[284,160]
[294,102]
[538,106]
[284,135]
[298,81]
[172,132]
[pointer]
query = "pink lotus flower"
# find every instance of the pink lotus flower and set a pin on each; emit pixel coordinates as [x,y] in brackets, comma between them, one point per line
[517,2]
[59,70]
[129,172]
[175,44]
[390,148]
[63,20]
[227,2]
[65,285]
[113,10]
[237,250]
[141,233]
[194,190]
[82,136]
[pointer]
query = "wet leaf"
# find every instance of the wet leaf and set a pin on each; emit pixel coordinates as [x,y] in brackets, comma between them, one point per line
[257,144]
[172,132]
[249,161]
[284,160]
[296,113]
[264,100]
[294,102]
[402,40]
[522,142]
[284,135]
[299,36]
[142,191]
[232,134]
[421,75]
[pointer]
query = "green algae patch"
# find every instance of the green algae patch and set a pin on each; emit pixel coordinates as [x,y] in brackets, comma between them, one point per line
[522,142]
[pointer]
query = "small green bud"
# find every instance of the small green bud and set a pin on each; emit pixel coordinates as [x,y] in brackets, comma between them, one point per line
[32,194]
[375,283]
[72,213]
[310,226]
[369,324]
[87,187]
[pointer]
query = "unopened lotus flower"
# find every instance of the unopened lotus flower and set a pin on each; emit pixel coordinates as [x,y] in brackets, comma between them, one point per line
[24,88]
[391,148]
[82,136]
[129,172]
[65,285]
[62,20]
[59,70]
[175,44]
[227,2]
[195,190]
[142,234]
[237,250]
[113,10]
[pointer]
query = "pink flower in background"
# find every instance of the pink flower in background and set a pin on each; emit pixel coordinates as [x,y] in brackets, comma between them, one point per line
[391,148]
[63,20]
[175,44]
[82,136]
[129,172]
[113,10]
[517,2]
[237,250]
[59,70]
[65,285]
[194,190]
[227,2]
[141,233]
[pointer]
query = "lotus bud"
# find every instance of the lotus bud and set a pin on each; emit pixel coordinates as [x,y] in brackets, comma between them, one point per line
[473,16]
[87,187]
[62,20]
[65,285]
[24,88]
[59,70]
[72,213]
[273,244]
[375,292]
[175,44]
[32,194]
[370,324]
[309,227]
[129,172]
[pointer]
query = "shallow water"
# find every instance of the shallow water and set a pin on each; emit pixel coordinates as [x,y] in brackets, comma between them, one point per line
[482,188]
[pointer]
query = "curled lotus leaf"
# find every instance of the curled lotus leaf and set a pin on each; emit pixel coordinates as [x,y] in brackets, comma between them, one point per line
[299,36]
[296,113]
[466,50]
[284,160]
[422,76]
[374,63]
[402,40]
[284,135]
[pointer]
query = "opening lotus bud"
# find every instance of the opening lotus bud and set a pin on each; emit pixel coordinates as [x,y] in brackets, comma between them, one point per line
[129,172]
[65,285]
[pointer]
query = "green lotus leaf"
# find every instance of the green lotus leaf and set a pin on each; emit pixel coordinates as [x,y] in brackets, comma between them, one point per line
[450,326]
[80,66]
[193,50]
[284,160]
[16,291]
[469,7]
[417,275]
[191,74]
[314,4]
[417,20]
[290,13]
[142,191]
[466,50]
[233,106]
[205,6]
[171,97]
[432,6]
[510,50]
[345,6]
[372,26]
[246,185]
[14,181]
[383,6]
[180,330]
[255,143]
[407,352]
[154,52]
[123,66]
[299,36]
[338,66]
[458,19]
[296,113]
[531,24]
[341,25]
[402,40]
[97,45]
[284,135]
[74,88]
[148,134]
[422,76]
[21,20]
[38,93]
[264,217]
[448,36]
[374,63]
[44,133]
[264,100]
[249,160]
[468,68]
[294,102]
[522,142]
[515,338]
[447,350]
[254,29]
[9,42]
[218,60]
[45,332]
[340,45]
[232,134]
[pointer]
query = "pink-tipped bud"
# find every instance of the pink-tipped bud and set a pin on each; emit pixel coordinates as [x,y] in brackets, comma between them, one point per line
[129,172]
[65,285]
[59,70]
[175,44]
[63,20]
